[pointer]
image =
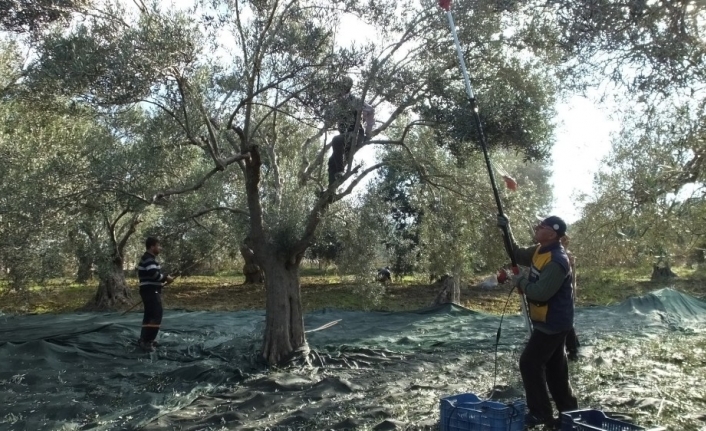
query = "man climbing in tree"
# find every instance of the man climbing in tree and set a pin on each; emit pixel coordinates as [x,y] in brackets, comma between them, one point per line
[152,279]
[346,112]
[548,287]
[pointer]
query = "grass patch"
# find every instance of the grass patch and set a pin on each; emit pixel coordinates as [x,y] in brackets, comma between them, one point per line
[598,286]
[323,288]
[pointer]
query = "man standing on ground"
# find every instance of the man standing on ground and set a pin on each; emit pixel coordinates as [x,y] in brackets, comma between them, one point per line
[548,288]
[384,275]
[346,112]
[152,279]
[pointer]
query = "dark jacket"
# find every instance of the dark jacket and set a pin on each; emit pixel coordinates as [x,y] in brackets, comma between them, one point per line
[548,287]
[150,272]
[346,113]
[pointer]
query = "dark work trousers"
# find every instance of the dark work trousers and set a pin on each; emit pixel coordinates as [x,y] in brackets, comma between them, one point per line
[341,145]
[543,364]
[152,300]
[572,341]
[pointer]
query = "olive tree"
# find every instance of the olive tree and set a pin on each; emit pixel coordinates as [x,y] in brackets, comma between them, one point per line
[648,200]
[222,76]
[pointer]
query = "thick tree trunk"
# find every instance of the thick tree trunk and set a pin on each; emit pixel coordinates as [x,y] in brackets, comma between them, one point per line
[19,279]
[82,240]
[85,268]
[112,288]
[251,270]
[450,291]
[284,328]
[661,272]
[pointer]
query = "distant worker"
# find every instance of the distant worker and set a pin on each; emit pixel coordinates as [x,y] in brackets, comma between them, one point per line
[346,112]
[549,292]
[384,275]
[572,341]
[152,279]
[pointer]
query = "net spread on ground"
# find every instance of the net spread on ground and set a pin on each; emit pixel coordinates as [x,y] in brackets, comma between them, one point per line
[85,371]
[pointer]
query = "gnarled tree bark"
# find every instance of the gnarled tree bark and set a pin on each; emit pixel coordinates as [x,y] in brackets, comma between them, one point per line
[450,291]
[251,270]
[112,288]
[284,328]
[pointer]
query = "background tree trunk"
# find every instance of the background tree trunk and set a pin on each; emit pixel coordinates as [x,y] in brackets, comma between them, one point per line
[284,327]
[82,241]
[662,271]
[450,291]
[112,288]
[84,272]
[456,299]
[251,270]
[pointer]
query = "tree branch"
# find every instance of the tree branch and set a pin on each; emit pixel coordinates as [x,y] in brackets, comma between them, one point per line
[272,154]
[202,181]
[304,171]
[252,183]
[324,201]
[357,179]
[182,92]
[112,225]
[243,43]
[131,229]
[168,111]
[220,208]
[269,86]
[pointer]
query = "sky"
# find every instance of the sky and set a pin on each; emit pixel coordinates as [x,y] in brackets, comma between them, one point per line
[582,140]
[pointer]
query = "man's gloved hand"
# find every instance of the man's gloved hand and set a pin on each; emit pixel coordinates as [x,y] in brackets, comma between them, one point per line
[522,274]
[503,221]
[502,276]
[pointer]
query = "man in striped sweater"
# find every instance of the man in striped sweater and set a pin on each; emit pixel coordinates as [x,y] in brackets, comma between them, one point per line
[152,279]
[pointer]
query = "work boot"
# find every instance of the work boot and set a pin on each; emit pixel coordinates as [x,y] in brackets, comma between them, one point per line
[555,424]
[532,421]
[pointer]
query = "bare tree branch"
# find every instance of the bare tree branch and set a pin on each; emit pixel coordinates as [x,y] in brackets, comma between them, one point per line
[357,179]
[272,154]
[131,228]
[305,170]
[141,6]
[241,33]
[274,84]
[324,201]
[182,92]
[112,225]
[168,111]
[203,180]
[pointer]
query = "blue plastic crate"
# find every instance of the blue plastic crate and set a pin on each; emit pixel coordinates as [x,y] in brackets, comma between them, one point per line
[466,412]
[595,420]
